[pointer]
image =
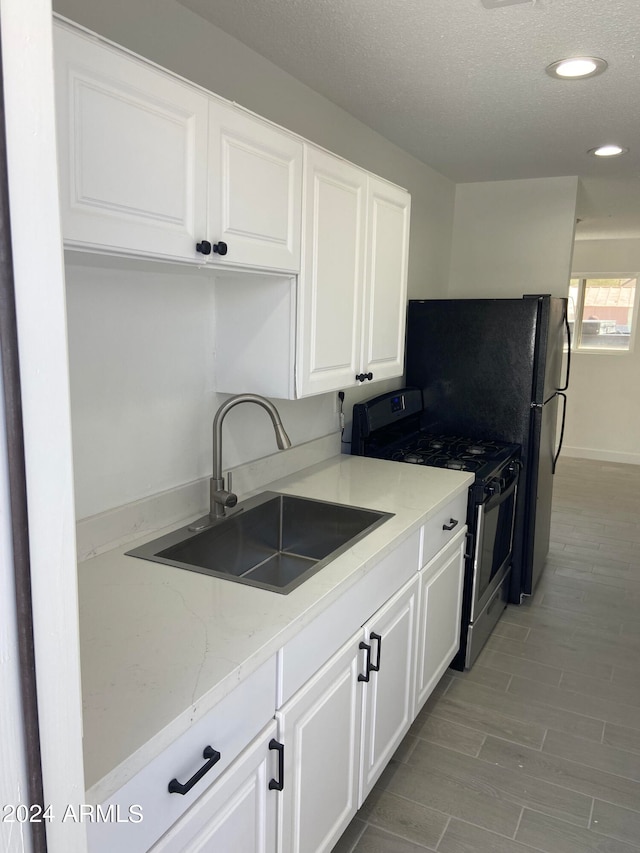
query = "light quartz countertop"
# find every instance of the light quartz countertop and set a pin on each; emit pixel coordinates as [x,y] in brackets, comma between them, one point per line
[160,645]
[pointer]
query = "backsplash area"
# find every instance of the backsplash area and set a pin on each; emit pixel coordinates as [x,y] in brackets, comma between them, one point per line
[142,348]
[99,533]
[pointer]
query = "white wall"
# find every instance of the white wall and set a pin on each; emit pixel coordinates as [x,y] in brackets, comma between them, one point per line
[603,414]
[513,237]
[143,390]
[141,337]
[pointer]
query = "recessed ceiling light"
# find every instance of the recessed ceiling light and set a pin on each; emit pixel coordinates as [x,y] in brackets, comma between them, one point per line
[608,151]
[576,68]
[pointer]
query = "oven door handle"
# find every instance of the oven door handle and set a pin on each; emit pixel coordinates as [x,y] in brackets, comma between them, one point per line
[469,546]
[495,500]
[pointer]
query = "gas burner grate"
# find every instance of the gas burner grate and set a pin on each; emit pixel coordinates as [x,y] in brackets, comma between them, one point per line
[476,449]
[458,453]
[437,460]
[432,445]
[452,447]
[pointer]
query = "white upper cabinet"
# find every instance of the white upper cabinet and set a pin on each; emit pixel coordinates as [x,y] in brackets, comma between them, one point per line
[132,152]
[349,323]
[255,191]
[330,287]
[353,286]
[152,166]
[385,303]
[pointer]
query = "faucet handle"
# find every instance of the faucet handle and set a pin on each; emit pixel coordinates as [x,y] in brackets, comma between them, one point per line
[223,498]
[220,498]
[232,499]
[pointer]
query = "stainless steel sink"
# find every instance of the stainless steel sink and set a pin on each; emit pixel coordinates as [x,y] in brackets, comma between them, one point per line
[273,541]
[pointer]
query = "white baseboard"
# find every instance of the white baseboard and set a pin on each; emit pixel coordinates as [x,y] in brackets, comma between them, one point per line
[601,455]
[99,533]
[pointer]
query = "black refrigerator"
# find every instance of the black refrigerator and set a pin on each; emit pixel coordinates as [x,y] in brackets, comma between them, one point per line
[497,370]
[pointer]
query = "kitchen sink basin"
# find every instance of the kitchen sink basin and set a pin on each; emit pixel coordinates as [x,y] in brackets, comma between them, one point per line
[273,541]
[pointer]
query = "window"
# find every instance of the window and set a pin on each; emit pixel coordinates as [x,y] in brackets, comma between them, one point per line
[602,313]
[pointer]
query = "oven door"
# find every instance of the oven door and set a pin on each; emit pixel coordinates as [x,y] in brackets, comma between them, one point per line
[494,522]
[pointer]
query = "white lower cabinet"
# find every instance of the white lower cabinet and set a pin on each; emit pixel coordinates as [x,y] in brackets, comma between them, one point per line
[320,730]
[340,730]
[389,692]
[239,812]
[441,583]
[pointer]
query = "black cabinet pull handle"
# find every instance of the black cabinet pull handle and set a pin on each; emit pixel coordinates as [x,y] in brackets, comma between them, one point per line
[212,755]
[277,784]
[220,248]
[375,667]
[369,376]
[367,666]
[453,522]
[360,377]
[204,247]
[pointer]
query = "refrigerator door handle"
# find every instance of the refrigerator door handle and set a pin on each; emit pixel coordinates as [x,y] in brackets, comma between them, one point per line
[564,415]
[568,330]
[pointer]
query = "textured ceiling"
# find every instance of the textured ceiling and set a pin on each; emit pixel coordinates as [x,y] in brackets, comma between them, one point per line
[461,84]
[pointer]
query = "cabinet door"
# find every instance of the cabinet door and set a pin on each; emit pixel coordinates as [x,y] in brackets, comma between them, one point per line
[439,620]
[132,152]
[330,287]
[255,191]
[320,730]
[385,300]
[238,813]
[389,694]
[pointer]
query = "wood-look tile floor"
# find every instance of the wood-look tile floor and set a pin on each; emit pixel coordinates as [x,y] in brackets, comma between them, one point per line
[538,747]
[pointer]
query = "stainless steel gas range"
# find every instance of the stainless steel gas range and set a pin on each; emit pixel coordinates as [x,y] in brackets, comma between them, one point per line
[389,427]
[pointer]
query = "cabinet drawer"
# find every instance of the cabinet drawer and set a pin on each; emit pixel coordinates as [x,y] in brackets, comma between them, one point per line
[229,727]
[308,651]
[238,813]
[440,529]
